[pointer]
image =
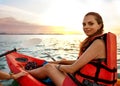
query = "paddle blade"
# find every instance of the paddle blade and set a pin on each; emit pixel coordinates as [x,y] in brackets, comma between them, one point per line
[31,42]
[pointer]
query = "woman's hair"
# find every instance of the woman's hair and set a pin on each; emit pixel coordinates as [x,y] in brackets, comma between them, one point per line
[84,45]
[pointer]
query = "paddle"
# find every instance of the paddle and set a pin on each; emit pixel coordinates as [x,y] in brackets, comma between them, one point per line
[50,56]
[26,44]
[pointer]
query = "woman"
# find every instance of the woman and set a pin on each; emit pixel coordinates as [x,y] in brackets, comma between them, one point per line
[6,76]
[90,50]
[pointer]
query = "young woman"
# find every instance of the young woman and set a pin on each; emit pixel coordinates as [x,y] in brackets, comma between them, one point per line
[90,49]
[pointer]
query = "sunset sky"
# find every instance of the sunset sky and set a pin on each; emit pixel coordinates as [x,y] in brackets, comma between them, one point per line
[66,13]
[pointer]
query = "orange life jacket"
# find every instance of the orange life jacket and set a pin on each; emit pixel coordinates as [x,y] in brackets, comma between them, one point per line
[101,71]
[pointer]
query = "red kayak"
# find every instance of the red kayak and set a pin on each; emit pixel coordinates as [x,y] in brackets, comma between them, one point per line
[17,62]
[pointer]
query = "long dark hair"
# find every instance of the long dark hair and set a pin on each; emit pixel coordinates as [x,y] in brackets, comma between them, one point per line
[84,45]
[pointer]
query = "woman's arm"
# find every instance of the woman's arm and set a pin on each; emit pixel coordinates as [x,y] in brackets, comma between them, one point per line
[95,51]
[4,75]
[65,62]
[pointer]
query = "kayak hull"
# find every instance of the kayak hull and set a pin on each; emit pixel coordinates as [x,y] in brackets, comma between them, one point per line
[18,66]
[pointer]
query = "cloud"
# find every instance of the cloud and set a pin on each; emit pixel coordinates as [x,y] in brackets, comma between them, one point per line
[11,25]
[8,11]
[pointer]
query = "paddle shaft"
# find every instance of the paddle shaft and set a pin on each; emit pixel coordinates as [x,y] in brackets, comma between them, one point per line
[50,56]
[8,52]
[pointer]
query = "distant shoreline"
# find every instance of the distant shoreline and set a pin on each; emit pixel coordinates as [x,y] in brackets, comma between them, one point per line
[31,34]
[36,34]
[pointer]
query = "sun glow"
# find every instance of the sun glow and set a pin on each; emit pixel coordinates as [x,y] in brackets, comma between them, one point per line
[65,15]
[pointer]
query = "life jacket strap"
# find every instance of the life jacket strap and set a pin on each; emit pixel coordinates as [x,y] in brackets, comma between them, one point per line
[98,80]
[103,66]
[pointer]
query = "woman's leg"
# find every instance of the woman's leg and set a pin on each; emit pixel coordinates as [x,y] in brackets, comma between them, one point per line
[49,70]
[18,75]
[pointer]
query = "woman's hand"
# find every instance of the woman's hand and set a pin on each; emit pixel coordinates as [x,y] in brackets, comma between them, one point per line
[17,75]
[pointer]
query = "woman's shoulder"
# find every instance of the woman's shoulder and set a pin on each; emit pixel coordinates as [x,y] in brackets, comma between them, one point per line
[97,48]
[99,42]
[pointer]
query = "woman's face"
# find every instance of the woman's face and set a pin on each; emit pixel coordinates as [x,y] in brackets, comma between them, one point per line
[90,25]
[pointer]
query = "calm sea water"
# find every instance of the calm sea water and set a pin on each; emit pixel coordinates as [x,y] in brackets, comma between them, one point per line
[58,46]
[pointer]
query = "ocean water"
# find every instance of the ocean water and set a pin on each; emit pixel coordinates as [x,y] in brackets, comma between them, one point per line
[57,46]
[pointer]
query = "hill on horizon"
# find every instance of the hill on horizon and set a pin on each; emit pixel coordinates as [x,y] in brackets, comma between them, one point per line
[11,25]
